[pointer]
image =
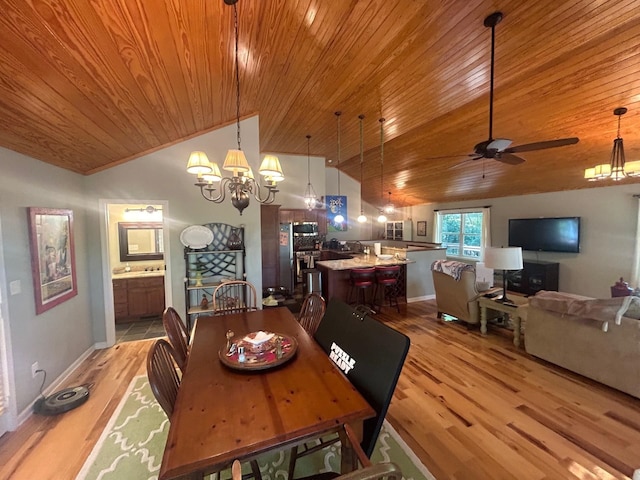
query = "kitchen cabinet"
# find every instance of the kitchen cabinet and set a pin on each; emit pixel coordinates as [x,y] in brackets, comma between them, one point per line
[399,230]
[223,259]
[292,215]
[138,297]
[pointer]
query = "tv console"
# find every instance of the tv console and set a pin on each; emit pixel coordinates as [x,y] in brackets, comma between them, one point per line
[535,275]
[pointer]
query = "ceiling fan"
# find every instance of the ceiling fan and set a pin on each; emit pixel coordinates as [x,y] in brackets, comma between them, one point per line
[498,148]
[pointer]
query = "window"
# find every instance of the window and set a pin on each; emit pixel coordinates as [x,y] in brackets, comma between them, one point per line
[463,233]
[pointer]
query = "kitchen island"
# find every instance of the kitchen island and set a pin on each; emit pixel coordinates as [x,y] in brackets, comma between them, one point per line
[335,273]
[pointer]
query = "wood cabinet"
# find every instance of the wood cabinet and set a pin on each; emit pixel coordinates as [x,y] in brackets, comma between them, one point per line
[399,230]
[292,215]
[270,228]
[136,298]
[535,275]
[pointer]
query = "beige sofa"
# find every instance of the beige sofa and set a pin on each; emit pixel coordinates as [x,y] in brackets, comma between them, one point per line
[456,292]
[583,335]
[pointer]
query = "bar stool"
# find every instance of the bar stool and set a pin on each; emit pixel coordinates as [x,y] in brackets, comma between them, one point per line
[361,280]
[387,278]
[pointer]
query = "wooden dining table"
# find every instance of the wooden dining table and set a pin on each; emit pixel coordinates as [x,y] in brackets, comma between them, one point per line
[222,414]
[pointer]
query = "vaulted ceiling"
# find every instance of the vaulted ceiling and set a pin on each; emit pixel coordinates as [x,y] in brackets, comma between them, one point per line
[87,85]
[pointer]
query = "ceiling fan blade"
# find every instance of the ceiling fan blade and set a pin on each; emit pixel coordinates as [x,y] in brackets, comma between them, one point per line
[464,162]
[509,158]
[529,147]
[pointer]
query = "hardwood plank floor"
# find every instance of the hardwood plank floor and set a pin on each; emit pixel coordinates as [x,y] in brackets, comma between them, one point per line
[471,407]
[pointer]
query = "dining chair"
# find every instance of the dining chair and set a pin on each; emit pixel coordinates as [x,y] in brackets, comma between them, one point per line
[311,312]
[233,297]
[374,353]
[163,374]
[177,334]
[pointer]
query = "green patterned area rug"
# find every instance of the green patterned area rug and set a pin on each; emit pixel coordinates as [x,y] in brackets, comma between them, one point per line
[131,446]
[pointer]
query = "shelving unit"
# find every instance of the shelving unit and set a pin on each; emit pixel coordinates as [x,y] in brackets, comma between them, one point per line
[399,230]
[222,259]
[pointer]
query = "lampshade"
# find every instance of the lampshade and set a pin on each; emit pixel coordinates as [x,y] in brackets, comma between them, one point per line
[214,175]
[270,167]
[508,258]
[235,162]
[198,163]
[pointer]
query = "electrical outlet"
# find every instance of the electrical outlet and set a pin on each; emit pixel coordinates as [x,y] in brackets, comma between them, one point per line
[34,369]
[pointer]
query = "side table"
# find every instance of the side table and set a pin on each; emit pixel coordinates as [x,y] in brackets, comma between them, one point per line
[509,308]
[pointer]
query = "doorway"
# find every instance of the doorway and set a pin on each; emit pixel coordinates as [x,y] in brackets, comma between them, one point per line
[137,280]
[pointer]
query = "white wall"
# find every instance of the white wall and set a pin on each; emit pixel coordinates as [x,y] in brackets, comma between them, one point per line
[59,336]
[608,227]
[291,194]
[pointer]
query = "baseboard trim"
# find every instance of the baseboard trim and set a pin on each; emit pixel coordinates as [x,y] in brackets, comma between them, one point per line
[421,299]
[55,385]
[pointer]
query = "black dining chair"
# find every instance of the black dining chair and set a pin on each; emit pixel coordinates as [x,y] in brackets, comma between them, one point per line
[371,356]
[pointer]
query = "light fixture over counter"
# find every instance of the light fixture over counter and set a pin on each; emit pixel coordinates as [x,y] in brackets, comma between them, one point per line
[339,218]
[362,218]
[382,218]
[241,184]
[617,168]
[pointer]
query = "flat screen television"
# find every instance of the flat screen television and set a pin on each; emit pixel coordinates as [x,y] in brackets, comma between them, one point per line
[545,234]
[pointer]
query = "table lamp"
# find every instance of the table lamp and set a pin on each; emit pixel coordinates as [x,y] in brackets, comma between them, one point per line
[509,258]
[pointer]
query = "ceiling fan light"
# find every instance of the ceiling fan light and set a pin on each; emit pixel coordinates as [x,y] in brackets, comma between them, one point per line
[199,163]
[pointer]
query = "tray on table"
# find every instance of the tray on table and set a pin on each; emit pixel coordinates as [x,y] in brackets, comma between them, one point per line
[261,356]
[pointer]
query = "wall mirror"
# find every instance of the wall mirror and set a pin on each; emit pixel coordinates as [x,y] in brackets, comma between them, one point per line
[140,241]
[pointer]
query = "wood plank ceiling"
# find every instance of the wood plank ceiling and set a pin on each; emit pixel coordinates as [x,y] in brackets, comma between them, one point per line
[87,85]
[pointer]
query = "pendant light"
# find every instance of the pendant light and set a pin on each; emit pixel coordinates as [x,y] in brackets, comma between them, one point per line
[382,218]
[338,218]
[310,196]
[362,218]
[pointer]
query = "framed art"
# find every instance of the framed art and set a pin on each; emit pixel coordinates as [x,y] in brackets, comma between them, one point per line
[422,229]
[336,204]
[53,264]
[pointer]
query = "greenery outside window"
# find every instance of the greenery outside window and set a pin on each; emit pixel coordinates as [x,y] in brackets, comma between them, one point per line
[463,233]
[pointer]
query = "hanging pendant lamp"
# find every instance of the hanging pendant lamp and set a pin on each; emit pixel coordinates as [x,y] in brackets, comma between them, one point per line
[310,196]
[338,218]
[382,218]
[362,218]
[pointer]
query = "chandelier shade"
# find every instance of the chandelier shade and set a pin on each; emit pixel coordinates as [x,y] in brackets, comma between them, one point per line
[241,185]
[198,163]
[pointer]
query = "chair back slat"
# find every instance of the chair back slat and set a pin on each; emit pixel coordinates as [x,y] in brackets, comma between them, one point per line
[178,336]
[311,313]
[162,371]
[234,297]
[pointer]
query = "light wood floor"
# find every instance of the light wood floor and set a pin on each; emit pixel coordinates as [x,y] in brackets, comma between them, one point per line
[471,407]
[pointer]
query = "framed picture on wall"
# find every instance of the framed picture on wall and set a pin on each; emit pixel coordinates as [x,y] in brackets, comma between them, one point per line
[422,229]
[53,263]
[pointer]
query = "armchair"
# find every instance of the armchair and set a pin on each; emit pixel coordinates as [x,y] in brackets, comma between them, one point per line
[456,293]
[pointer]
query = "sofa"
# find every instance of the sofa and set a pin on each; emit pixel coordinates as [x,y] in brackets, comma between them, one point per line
[596,338]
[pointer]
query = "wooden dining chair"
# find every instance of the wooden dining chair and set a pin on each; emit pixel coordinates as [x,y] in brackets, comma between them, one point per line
[163,374]
[177,334]
[311,312]
[377,352]
[233,297]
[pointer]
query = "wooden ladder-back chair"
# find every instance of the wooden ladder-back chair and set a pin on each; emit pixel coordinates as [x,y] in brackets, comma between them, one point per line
[377,353]
[311,312]
[233,297]
[178,336]
[163,375]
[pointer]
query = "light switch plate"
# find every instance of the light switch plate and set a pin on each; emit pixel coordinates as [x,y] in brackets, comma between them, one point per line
[15,288]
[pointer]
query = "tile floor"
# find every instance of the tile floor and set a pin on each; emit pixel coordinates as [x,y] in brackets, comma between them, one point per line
[139,330]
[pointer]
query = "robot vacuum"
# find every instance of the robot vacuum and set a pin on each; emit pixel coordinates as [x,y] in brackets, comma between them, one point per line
[62,401]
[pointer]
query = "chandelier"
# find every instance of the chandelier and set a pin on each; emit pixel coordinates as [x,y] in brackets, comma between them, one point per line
[617,168]
[338,218]
[241,185]
[382,217]
[310,197]
[362,218]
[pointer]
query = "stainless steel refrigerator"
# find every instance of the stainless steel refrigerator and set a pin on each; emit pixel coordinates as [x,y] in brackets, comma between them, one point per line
[287,270]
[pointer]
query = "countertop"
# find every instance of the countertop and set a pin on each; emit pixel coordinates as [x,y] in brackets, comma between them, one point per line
[360,260]
[138,274]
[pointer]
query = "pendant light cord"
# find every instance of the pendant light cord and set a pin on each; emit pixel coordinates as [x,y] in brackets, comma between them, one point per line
[235,25]
[361,117]
[381,160]
[308,161]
